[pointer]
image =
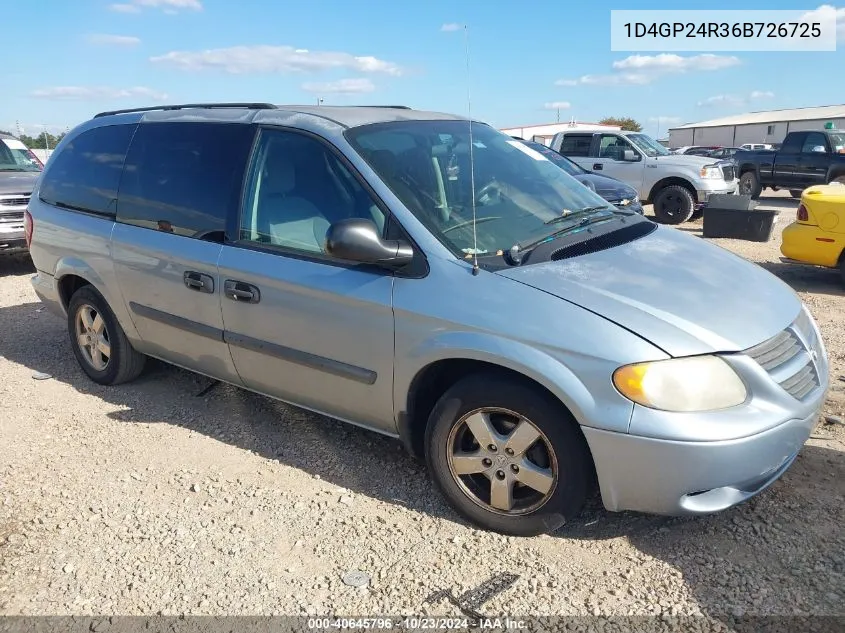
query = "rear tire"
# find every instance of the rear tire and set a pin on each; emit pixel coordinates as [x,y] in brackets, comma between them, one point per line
[525,436]
[796,193]
[842,267]
[674,204]
[749,184]
[839,179]
[99,343]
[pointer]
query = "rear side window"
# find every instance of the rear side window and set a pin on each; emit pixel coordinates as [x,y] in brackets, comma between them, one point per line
[576,144]
[184,178]
[84,175]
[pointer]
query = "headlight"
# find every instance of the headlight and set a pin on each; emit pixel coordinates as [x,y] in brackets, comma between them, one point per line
[697,383]
[711,172]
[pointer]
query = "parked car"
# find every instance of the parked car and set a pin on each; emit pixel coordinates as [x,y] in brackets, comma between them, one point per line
[19,169]
[428,278]
[818,234]
[725,153]
[676,185]
[614,191]
[807,158]
[696,150]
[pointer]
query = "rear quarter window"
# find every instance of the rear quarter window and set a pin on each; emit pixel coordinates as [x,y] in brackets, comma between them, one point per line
[185,178]
[85,173]
[576,144]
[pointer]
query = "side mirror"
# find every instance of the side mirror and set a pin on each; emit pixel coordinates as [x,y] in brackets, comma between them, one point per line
[358,240]
[820,149]
[630,156]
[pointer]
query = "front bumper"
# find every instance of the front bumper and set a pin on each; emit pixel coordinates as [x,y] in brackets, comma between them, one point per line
[12,238]
[718,187]
[677,478]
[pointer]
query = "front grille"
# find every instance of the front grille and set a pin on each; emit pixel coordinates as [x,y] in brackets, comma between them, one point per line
[11,216]
[728,172]
[788,357]
[14,200]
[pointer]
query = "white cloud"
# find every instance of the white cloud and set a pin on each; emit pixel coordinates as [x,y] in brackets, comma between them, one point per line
[557,105]
[123,7]
[96,93]
[640,70]
[341,87]
[113,40]
[730,100]
[670,63]
[450,26]
[168,6]
[827,11]
[239,60]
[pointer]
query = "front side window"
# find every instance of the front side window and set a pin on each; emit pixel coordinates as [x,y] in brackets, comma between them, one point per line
[184,178]
[298,188]
[84,174]
[815,142]
[613,147]
[518,194]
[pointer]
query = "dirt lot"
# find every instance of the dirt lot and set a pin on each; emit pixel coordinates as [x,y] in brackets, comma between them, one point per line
[160,496]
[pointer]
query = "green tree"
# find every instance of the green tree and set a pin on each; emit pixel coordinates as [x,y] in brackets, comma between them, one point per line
[626,123]
[42,140]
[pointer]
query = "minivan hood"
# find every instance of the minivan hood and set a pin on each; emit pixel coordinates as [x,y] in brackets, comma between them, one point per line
[682,294]
[18,181]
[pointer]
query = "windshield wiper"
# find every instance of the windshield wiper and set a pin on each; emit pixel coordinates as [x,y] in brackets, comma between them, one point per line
[569,216]
[519,250]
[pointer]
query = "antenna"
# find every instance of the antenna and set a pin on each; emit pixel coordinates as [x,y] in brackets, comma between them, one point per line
[471,158]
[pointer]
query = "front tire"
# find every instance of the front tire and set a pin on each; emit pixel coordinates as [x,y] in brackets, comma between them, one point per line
[749,184]
[508,457]
[99,343]
[673,205]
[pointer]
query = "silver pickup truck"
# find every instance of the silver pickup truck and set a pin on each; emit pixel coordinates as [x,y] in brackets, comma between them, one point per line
[677,185]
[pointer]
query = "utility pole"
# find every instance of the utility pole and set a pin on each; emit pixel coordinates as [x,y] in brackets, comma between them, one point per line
[558,115]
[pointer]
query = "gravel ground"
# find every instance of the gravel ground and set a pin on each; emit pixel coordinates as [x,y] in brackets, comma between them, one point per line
[163,497]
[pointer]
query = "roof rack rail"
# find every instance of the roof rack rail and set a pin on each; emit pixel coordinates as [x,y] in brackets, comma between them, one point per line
[209,106]
[389,107]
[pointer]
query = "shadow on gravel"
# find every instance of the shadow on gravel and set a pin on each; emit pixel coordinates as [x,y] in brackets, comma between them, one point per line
[805,278]
[712,553]
[15,265]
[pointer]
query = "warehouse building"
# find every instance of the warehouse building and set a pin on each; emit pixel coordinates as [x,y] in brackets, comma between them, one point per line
[543,132]
[770,126]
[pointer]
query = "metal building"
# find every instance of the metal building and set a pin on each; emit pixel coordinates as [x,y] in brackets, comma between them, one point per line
[543,132]
[770,126]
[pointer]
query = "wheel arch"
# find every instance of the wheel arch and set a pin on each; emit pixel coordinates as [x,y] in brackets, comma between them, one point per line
[417,392]
[668,181]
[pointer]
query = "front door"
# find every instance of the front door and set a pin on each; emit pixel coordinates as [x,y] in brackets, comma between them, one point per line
[811,166]
[611,161]
[180,183]
[301,326]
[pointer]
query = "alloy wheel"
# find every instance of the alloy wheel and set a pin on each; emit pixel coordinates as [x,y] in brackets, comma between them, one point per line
[502,461]
[92,337]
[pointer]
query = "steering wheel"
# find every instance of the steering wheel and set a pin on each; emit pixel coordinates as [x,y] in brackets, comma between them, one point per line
[491,189]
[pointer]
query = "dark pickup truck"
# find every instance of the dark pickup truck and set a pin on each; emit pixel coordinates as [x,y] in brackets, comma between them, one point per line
[805,158]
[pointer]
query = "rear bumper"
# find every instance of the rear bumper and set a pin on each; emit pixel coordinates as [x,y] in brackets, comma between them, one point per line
[799,242]
[679,478]
[47,289]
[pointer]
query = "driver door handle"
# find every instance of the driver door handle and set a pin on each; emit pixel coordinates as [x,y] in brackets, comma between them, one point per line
[597,166]
[241,291]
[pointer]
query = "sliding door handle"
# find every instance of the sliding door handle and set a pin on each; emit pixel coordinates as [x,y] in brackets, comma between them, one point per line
[241,291]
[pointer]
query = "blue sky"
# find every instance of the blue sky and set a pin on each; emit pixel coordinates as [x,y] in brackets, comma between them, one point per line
[74,59]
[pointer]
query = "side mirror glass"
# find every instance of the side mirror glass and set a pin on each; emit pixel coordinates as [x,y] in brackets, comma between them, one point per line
[630,156]
[820,149]
[358,240]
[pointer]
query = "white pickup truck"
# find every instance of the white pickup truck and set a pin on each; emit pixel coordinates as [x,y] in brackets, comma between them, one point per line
[677,185]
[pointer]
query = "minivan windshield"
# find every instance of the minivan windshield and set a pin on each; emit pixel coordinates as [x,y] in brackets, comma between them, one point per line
[14,156]
[570,167]
[648,145]
[520,196]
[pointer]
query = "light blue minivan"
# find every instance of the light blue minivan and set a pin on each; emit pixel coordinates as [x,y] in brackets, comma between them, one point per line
[435,280]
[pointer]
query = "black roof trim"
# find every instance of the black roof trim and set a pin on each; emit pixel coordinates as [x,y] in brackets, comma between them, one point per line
[209,106]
